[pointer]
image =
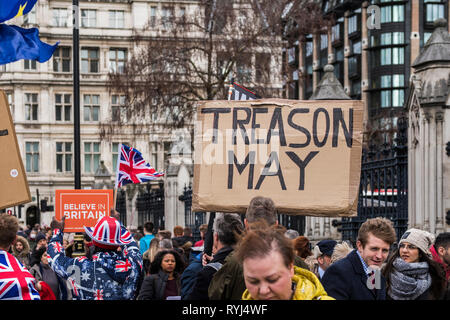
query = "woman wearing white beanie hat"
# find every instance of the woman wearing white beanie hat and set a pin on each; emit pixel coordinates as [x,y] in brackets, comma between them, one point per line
[410,272]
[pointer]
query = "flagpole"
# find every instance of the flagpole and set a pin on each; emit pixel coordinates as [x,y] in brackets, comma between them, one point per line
[117,174]
[76,94]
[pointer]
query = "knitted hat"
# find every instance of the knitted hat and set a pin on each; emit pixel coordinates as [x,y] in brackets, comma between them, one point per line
[421,239]
[40,236]
[325,247]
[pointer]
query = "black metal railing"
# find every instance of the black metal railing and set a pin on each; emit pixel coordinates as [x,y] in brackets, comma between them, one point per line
[121,206]
[383,188]
[150,206]
[193,220]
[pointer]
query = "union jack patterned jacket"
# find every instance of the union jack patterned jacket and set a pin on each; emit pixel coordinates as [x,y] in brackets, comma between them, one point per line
[107,276]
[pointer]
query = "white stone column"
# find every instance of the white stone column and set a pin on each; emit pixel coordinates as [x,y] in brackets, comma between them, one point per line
[440,219]
[432,175]
[427,160]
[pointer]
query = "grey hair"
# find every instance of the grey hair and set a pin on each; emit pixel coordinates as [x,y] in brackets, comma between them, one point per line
[165,244]
[228,226]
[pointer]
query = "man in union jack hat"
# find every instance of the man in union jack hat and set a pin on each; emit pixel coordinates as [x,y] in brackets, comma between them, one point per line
[113,272]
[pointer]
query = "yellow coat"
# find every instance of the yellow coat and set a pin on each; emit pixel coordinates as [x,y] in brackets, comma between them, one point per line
[308,287]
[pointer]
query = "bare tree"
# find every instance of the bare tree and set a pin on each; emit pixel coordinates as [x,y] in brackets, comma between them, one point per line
[182,59]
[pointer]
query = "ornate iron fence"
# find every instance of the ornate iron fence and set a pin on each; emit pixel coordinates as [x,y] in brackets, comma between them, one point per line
[150,206]
[193,220]
[383,188]
[121,206]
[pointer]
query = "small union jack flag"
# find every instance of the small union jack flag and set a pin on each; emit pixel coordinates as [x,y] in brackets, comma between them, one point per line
[81,259]
[132,168]
[16,283]
[99,294]
[74,286]
[123,266]
[58,247]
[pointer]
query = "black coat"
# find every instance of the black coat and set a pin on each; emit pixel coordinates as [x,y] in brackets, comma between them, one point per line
[204,277]
[346,280]
[154,286]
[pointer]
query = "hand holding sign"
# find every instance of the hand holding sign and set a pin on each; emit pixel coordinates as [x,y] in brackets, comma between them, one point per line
[82,208]
[55,224]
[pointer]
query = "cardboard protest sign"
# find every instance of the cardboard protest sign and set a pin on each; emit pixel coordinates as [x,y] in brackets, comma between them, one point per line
[13,180]
[82,208]
[305,155]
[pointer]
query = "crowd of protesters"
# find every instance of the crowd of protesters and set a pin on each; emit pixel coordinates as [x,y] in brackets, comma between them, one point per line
[252,258]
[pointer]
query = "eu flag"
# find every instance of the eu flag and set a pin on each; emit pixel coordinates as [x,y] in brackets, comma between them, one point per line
[12,8]
[18,43]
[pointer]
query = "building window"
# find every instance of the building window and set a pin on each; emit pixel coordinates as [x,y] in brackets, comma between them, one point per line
[323,41]
[29,65]
[390,56]
[117,107]
[392,92]
[263,68]
[32,156]
[30,17]
[63,107]
[88,18]
[116,19]
[117,58]
[354,65]
[10,98]
[434,10]
[244,68]
[154,154]
[31,106]
[61,59]
[90,60]
[356,88]
[395,13]
[309,48]
[63,156]
[91,107]
[353,25]
[356,47]
[60,17]
[166,17]
[91,156]
[153,13]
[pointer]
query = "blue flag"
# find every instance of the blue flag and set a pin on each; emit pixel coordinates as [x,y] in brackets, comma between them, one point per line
[15,8]
[18,43]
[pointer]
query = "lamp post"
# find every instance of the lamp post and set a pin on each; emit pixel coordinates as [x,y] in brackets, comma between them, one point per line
[76,93]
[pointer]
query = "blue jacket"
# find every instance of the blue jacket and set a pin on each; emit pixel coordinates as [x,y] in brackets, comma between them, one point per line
[189,275]
[107,276]
[346,280]
[144,243]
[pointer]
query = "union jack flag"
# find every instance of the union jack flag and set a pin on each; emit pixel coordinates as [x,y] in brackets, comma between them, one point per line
[58,246]
[123,266]
[238,92]
[16,283]
[132,168]
[98,294]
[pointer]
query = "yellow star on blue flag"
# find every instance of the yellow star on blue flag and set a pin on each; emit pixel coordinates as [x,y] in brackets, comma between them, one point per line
[10,9]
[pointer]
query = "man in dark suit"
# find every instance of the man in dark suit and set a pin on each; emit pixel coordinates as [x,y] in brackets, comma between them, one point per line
[358,276]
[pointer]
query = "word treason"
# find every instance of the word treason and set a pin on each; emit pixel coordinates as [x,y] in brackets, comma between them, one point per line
[308,139]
